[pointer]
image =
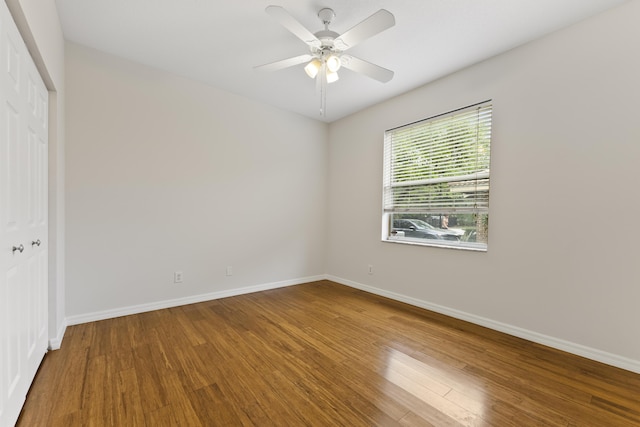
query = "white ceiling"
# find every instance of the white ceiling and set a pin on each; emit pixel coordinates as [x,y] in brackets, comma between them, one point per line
[219,42]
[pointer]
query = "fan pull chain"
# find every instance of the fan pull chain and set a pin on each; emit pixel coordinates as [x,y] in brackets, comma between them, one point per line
[321,85]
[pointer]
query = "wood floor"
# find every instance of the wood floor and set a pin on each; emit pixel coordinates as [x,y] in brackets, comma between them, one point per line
[317,354]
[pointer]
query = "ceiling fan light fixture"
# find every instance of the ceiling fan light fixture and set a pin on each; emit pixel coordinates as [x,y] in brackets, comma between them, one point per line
[326,48]
[312,68]
[333,63]
[332,76]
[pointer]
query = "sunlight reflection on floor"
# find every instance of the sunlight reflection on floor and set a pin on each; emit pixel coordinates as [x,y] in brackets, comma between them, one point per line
[451,395]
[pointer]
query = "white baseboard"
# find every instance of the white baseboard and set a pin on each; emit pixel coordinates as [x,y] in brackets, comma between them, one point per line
[570,347]
[56,342]
[136,309]
[549,341]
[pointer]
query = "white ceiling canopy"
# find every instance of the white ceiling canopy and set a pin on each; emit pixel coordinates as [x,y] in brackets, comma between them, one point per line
[220,42]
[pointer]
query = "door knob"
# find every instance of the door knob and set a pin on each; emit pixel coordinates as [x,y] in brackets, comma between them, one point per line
[35,243]
[18,248]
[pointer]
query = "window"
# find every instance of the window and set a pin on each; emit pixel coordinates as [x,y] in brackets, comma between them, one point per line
[436,180]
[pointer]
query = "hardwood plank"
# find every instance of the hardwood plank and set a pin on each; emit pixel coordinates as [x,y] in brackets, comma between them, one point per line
[413,420]
[213,408]
[129,409]
[318,354]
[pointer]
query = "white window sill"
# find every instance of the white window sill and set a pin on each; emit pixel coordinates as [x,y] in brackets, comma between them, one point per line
[467,246]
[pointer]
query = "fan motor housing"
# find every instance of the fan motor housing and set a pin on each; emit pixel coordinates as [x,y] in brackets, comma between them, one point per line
[327,37]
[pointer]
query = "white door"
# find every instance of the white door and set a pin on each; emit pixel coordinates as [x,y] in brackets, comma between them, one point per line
[23,220]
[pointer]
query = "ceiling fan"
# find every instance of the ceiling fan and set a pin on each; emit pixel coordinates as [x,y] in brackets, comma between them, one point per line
[326,48]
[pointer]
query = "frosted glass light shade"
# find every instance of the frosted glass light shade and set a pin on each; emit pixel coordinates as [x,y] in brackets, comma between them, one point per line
[312,68]
[333,63]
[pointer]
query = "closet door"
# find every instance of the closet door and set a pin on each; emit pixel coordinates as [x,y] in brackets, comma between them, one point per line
[23,220]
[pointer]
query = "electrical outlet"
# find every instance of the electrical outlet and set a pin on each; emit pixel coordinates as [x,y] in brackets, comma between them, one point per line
[177,277]
[229,270]
[370,271]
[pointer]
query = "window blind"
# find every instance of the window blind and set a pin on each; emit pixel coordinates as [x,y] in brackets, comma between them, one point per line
[440,164]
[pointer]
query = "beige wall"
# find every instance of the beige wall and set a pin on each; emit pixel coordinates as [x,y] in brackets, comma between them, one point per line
[167,174]
[39,26]
[564,210]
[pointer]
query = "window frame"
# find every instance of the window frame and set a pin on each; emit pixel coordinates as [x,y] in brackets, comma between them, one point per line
[395,174]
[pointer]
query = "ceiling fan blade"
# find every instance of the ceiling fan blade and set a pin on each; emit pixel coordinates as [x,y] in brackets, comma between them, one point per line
[292,24]
[285,63]
[376,23]
[368,69]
